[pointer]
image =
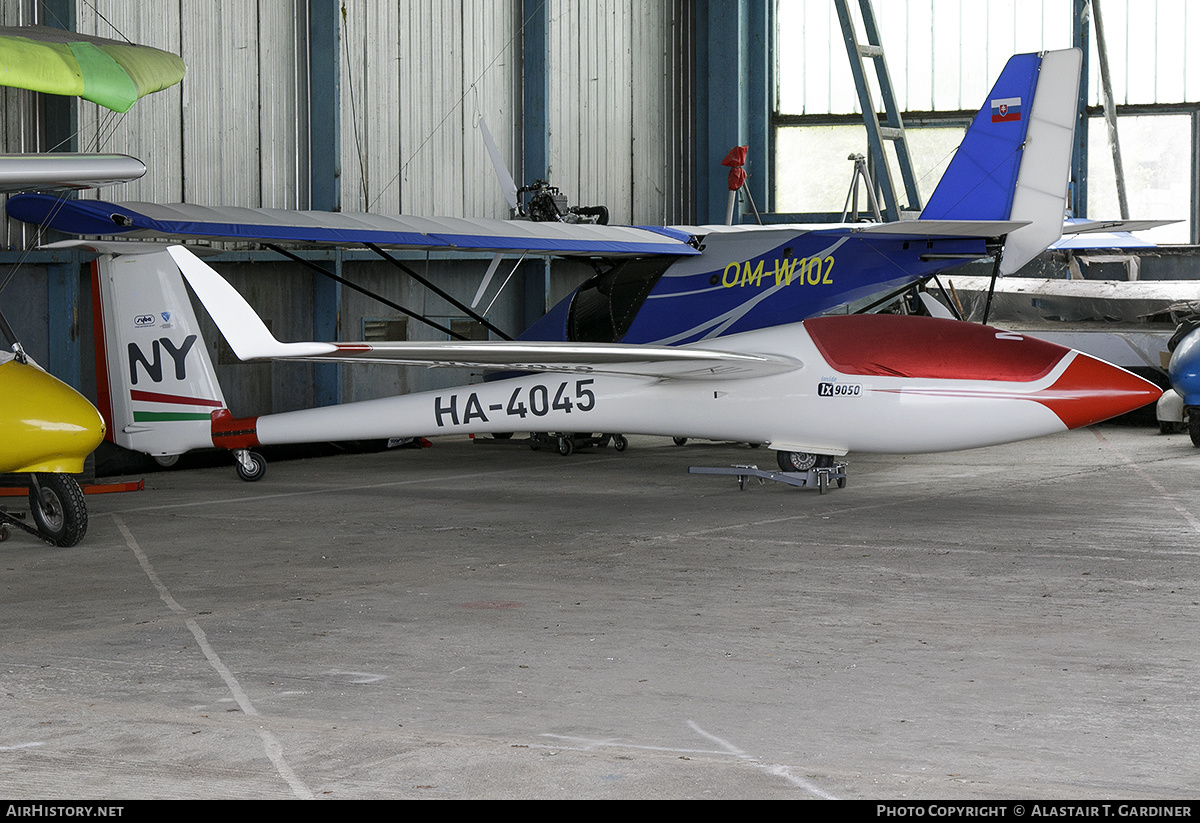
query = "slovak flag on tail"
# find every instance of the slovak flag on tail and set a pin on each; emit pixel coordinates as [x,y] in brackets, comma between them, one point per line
[1006,110]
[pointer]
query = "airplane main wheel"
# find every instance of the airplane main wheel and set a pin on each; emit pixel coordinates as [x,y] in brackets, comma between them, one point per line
[795,461]
[256,470]
[58,508]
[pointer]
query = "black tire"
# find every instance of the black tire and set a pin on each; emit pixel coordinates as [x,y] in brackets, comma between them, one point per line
[679,441]
[257,470]
[1193,424]
[796,461]
[502,436]
[59,509]
[566,445]
[619,442]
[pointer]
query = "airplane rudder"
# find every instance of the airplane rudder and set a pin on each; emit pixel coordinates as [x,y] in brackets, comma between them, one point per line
[162,382]
[980,181]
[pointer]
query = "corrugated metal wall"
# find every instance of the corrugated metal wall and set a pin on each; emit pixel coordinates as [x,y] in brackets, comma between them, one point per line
[416,76]
[613,68]
[235,131]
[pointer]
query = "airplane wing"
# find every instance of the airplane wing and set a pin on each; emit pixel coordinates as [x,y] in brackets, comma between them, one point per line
[250,339]
[22,172]
[916,229]
[142,220]
[1087,226]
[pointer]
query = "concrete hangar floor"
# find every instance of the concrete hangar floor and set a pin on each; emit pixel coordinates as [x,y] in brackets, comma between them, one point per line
[485,621]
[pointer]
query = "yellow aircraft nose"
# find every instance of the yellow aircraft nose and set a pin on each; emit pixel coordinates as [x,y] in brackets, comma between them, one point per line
[45,425]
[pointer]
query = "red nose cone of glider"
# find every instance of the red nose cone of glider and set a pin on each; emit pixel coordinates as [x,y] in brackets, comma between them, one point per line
[1091,390]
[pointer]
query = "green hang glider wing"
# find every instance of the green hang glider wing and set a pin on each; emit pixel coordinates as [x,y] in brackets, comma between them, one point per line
[110,73]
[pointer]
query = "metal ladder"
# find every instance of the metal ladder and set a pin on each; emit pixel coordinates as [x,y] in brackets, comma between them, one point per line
[893,128]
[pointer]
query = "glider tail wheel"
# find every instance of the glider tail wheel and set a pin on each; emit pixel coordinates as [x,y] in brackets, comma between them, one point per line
[58,508]
[250,466]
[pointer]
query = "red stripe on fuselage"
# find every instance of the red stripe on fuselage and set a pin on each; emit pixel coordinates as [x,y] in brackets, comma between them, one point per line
[1091,390]
[155,397]
[103,400]
[894,345]
[229,432]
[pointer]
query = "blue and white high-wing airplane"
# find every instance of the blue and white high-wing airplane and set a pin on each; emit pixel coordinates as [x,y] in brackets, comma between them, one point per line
[1003,193]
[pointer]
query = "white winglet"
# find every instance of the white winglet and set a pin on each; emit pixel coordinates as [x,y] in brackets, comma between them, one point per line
[246,333]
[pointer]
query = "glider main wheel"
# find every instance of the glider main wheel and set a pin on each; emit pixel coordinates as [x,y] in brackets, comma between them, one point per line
[255,471]
[796,461]
[59,511]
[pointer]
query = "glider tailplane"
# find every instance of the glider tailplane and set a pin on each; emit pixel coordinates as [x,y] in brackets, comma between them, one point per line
[1014,161]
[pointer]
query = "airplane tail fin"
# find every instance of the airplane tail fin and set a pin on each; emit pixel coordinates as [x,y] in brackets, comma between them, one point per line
[1014,162]
[156,383]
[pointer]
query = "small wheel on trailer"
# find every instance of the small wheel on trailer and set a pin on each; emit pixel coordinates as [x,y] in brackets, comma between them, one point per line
[841,482]
[566,445]
[795,461]
[58,508]
[252,469]
[619,442]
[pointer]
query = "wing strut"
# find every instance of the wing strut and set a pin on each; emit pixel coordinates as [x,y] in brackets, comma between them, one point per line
[458,304]
[987,306]
[414,315]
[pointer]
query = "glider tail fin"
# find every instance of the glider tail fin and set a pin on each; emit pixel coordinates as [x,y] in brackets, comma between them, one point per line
[156,383]
[1014,162]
